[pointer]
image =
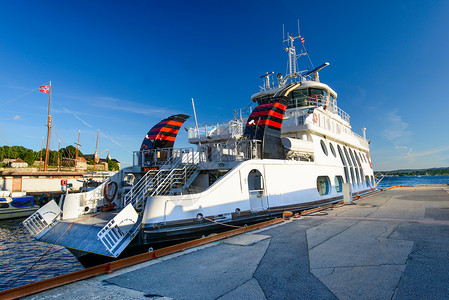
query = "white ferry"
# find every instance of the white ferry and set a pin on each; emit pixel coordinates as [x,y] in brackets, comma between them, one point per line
[294,149]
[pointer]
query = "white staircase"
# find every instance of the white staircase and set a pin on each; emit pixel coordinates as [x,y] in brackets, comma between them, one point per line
[172,177]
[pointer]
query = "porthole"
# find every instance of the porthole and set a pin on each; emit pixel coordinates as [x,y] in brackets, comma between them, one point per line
[332,149]
[338,184]
[323,146]
[323,185]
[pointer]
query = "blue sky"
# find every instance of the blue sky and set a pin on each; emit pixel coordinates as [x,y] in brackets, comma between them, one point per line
[122,66]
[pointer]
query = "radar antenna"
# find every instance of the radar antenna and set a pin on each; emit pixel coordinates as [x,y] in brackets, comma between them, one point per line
[292,55]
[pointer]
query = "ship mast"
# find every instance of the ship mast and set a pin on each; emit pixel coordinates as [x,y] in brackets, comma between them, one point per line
[59,148]
[292,57]
[96,147]
[49,128]
[40,160]
[77,146]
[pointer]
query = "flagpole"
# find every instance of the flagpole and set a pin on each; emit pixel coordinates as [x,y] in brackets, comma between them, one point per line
[49,128]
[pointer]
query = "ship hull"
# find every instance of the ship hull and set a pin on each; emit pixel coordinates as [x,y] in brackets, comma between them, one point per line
[181,231]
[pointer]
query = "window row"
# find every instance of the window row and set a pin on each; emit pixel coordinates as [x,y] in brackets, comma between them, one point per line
[352,162]
[323,184]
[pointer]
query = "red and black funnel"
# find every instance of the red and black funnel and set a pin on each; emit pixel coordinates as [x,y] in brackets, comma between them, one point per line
[163,134]
[265,124]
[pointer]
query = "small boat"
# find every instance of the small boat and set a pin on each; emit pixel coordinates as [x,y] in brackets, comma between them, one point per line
[16,205]
[293,150]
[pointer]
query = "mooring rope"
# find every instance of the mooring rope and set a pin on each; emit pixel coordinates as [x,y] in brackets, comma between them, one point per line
[229,225]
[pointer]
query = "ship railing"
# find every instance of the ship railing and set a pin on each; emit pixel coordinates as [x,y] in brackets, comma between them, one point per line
[233,150]
[217,131]
[243,113]
[163,156]
[235,128]
[319,100]
[298,116]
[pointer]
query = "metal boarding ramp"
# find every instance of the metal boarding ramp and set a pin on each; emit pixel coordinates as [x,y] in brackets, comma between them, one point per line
[107,233]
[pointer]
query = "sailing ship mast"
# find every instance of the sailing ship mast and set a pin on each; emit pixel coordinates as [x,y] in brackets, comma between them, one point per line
[77,146]
[96,147]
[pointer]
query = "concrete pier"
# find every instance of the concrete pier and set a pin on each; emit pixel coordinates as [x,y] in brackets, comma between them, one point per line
[392,245]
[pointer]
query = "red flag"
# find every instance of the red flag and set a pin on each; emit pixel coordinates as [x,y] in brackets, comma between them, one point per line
[302,40]
[44,89]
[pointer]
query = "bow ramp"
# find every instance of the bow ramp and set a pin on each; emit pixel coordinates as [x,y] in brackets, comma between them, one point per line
[106,233]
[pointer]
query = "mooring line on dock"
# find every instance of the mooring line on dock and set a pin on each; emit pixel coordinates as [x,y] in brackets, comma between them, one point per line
[220,223]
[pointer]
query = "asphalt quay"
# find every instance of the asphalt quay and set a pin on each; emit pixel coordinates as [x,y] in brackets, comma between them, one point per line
[391,245]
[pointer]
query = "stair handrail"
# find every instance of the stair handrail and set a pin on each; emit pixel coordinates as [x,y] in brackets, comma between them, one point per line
[167,180]
[146,182]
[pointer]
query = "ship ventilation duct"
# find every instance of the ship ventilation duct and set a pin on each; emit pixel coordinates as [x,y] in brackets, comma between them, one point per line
[163,134]
[265,124]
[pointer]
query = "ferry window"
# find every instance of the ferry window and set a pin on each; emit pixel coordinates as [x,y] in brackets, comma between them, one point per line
[298,98]
[362,158]
[341,155]
[318,92]
[323,146]
[255,181]
[357,175]
[339,184]
[4,205]
[263,99]
[351,153]
[322,185]
[367,180]
[344,163]
[332,149]
[347,156]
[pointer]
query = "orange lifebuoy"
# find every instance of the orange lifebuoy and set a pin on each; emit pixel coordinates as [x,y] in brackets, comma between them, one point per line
[315,118]
[107,191]
[313,96]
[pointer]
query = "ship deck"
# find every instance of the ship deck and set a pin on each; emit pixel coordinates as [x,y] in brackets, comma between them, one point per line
[391,245]
[80,233]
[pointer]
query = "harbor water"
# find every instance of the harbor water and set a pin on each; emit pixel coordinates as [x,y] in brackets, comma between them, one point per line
[411,181]
[19,251]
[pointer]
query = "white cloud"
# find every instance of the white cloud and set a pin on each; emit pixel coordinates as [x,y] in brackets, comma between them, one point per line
[129,106]
[397,131]
[16,117]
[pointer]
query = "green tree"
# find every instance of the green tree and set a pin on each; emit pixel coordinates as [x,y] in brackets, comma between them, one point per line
[29,157]
[112,165]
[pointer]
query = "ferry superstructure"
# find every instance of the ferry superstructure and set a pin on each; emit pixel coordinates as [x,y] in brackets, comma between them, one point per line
[294,149]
